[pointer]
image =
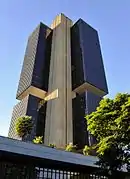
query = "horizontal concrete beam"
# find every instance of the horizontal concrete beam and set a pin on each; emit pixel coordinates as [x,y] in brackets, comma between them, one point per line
[52,95]
[88,87]
[33,91]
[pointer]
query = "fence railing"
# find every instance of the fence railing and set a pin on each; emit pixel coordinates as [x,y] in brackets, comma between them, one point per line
[18,171]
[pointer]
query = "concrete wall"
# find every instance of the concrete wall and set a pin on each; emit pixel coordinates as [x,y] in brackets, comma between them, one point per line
[58,128]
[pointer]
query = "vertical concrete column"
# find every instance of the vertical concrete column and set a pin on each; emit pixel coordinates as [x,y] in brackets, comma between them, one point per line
[69,84]
[58,128]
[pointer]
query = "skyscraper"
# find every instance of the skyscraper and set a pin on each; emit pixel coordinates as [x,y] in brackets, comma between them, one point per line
[63,66]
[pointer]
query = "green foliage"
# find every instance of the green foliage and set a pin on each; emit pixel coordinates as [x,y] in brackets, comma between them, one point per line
[52,145]
[38,140]
[88,150]
[41,103]
[110,124]
[71,148]
[24,125]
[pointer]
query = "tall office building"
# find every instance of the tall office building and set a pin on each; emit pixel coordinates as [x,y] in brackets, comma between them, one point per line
[63,67]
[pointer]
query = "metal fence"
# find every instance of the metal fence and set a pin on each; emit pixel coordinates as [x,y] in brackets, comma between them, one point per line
[18,171]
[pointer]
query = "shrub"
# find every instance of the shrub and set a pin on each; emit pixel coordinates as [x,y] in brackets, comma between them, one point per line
[71,148]
[38,140]
[24,125]
[86,150]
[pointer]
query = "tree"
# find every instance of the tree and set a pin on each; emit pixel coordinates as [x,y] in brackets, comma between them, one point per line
[38,140]
[110,124]
[24,125]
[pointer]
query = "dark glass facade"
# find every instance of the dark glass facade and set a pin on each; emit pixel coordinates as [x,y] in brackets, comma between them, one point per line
[32,111]
[40,125]
[86,57]
[28,106]
[35,70]
[87,67]
[82,105]
[80,134]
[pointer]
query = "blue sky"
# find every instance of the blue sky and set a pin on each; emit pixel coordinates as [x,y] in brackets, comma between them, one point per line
[19,18]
